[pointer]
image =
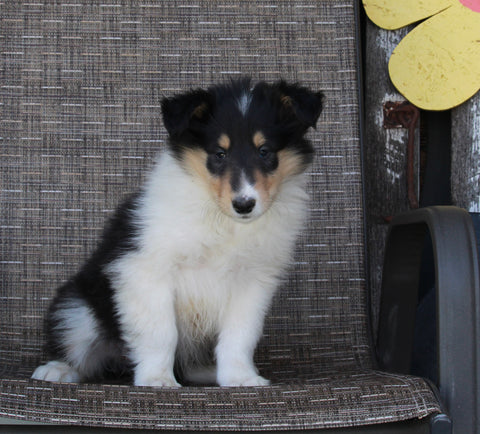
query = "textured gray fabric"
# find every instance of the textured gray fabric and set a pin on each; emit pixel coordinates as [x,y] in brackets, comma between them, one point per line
[79,127]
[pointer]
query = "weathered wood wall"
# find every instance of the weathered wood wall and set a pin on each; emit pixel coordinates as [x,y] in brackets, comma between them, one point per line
[385,152]
[466,155]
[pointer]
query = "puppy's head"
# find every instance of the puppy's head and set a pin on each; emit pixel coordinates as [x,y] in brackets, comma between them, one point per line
[243,142]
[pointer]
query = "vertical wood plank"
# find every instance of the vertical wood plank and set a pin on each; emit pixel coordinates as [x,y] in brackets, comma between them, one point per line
[466,155]
[385,152]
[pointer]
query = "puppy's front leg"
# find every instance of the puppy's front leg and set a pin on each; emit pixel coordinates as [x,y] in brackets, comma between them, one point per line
[145,306]
[241,330]
[153,352]
[152,339]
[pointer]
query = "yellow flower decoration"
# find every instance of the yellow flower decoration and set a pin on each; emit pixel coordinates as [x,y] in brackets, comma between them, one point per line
[437,65]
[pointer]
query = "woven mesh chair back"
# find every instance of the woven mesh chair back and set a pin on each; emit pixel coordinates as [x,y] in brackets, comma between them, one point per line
[81,125]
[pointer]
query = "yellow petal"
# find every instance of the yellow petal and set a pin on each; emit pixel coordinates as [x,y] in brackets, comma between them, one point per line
[437,65]
[393,14]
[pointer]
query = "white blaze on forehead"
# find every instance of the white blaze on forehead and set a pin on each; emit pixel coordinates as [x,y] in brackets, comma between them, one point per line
[243,103]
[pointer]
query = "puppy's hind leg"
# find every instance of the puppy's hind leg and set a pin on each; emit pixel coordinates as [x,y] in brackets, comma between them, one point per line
[75,341]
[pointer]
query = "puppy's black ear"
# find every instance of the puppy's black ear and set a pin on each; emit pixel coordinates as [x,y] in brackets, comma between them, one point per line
[301,103]
[186,112]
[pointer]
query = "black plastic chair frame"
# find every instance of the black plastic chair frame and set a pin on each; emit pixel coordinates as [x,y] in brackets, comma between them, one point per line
[458,305]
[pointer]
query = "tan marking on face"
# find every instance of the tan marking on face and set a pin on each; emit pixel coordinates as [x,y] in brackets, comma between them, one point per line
[286,101]
[224,142]
[259,139]
[200,110]
[195,161]
[289,164]
[219,188]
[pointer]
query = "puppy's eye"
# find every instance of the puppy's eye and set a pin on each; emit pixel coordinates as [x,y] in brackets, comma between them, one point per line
[263,152]
[220,154]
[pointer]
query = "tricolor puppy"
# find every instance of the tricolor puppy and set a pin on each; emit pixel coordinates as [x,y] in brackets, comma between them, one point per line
[179,285]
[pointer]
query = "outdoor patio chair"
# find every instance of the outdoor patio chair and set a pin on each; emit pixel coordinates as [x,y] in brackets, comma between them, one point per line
[80,125]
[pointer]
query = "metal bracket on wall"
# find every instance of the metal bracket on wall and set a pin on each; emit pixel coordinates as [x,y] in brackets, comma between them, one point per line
[404,115]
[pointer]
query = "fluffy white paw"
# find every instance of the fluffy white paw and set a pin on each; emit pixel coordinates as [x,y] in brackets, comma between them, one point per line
[156,381]
[57,372]
[245,380]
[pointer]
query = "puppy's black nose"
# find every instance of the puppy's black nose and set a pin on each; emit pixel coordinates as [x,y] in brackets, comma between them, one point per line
[243,205]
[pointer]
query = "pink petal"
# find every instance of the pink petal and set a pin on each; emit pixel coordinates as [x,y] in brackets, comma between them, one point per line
[474,5]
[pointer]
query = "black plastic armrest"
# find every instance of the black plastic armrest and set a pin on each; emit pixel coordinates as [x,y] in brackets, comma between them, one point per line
[458,304]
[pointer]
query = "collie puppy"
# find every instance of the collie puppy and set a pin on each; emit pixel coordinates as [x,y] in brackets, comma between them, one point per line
[179,285]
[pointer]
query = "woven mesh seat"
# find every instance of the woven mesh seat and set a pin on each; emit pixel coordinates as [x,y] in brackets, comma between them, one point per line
[80,125]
